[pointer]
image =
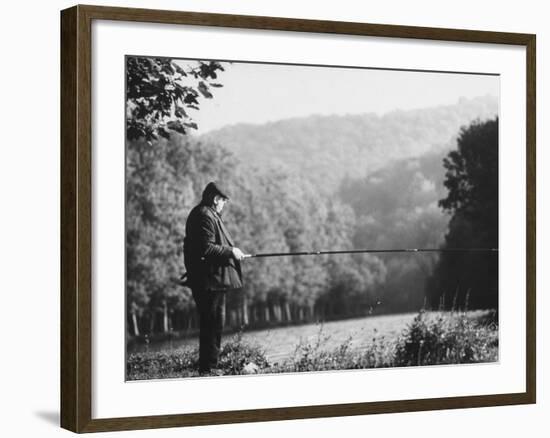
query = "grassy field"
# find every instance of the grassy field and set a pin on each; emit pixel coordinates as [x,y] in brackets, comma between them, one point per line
[425,338]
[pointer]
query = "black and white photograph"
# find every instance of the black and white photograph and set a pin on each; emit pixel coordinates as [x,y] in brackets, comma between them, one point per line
[275,219]
[288,218]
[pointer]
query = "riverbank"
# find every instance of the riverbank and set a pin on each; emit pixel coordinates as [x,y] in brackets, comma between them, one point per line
[427,338]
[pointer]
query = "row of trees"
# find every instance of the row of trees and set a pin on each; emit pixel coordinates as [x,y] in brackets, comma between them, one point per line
[273,212]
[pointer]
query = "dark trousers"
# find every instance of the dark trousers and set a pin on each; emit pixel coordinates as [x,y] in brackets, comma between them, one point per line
[211,307]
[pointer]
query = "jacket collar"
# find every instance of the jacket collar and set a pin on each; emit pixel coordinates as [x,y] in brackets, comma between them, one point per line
[213,210]
[224,230]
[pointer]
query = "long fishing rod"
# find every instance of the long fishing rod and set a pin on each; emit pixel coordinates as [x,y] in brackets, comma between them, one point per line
[366,251]
[182,279]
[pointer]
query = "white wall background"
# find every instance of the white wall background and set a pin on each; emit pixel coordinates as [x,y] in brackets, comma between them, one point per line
[29,223]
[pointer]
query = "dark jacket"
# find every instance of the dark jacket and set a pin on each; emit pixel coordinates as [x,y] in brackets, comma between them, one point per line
[208,253]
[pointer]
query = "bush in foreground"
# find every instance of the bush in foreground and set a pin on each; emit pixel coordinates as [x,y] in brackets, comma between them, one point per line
[441,338]
[234,356]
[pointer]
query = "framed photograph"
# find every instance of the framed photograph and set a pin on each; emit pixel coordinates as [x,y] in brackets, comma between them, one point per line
[270,218]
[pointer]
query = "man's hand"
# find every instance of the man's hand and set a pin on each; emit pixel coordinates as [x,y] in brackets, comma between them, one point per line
[238,254]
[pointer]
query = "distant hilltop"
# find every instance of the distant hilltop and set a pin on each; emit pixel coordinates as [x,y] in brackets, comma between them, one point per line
[327,149]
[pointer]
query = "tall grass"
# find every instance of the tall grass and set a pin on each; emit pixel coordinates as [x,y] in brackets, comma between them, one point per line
[441,338]
[432,338]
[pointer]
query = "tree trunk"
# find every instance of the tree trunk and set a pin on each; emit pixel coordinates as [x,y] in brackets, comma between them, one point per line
[239,316]
[266,313]
[165,327]
[135,324]
[255,313]
[233,321]
[152,323]
[278,313]
[245,310]
[288,316]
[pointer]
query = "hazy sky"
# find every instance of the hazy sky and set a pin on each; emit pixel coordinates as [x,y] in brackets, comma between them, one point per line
[258,93]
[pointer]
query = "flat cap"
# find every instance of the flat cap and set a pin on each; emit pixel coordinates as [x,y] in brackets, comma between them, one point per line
[214,188]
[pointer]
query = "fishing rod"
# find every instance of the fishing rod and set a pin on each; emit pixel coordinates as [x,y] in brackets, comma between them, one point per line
[182,279]
[367,251]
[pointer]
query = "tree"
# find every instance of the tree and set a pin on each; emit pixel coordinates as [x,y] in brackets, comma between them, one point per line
[160,92]
[472,200]
[163,184]
[274,211]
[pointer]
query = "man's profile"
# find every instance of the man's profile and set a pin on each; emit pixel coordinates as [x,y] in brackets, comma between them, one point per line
[213,268]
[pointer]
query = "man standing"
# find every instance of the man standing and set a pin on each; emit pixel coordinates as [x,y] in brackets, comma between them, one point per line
[213,268]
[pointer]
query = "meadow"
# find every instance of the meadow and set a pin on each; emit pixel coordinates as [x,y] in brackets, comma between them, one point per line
[425,338]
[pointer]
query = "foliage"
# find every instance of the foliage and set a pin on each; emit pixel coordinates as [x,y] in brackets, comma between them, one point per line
[273,212]
[313,356]
[436,338]
[327,148]
[439,338]
[472,173]
[472,200]
[161,91]
[387,168]
[234,356]
[396,207]
[163,184]
[166,364]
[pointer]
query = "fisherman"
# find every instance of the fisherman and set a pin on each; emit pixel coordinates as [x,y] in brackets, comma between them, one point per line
[213,268]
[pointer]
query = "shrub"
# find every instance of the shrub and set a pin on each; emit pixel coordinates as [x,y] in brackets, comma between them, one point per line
[164,364]
[234,356]
[446,339]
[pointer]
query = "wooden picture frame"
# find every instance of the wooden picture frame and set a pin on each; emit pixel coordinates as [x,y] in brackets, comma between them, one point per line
[76,218]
